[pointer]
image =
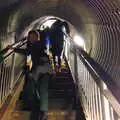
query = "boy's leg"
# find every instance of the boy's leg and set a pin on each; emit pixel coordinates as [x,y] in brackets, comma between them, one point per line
[35,115]
[43,90]
[43,115]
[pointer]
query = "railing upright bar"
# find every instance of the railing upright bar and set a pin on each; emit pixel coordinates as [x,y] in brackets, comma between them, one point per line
[4,84]
[12,77]
[98,95]
[1,87]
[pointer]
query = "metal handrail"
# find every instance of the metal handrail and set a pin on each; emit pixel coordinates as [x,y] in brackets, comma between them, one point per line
[100,77]
[5,53]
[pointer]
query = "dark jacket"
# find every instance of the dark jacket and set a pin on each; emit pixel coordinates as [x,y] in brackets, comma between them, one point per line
[57,36]
[36,50]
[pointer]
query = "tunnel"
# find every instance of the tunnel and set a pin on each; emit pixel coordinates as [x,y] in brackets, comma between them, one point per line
[95,68]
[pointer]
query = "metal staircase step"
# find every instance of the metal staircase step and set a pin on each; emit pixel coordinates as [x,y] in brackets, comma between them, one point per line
[63,75]
[52,115]
[60,90]
[62,115]
[20,115]
[61,82]
[61,87]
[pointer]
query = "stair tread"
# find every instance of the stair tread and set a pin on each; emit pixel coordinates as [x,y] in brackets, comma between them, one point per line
[61,87]
[20,115]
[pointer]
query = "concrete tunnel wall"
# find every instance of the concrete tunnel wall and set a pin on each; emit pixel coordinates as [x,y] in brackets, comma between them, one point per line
[97,20]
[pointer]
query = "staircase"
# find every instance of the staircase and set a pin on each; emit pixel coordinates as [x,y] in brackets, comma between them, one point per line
[62,100]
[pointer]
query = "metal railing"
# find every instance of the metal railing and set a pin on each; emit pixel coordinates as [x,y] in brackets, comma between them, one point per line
[9,74]
[98,94]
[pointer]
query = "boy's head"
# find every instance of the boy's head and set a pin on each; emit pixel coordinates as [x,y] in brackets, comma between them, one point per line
[33,35]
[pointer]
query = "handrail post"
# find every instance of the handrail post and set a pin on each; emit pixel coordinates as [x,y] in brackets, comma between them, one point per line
[76,73]
[12,72]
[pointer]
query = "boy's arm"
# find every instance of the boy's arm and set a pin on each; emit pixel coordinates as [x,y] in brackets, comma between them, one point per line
[19,50]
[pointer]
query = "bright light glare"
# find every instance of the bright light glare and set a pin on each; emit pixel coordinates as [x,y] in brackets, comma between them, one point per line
[104,86]
[107,109]
[63,29]
[49,23]
[79,41]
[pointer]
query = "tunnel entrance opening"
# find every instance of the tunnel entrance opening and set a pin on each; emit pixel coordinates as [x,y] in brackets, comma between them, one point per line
[47,21]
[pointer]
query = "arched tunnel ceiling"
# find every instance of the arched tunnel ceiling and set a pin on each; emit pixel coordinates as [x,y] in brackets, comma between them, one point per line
[97,20]
[70,11]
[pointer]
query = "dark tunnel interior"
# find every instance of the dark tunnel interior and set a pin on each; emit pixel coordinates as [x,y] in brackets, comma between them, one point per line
[97,21]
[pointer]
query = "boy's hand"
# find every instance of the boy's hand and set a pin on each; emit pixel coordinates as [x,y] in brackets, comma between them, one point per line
[10,47]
